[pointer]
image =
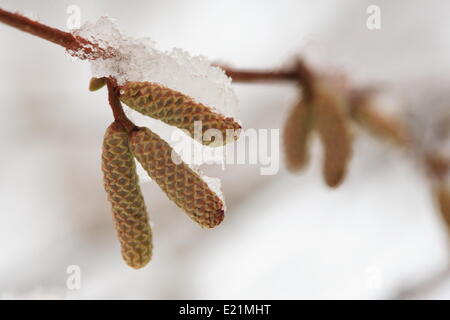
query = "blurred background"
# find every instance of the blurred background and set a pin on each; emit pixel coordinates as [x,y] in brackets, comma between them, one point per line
[378,236]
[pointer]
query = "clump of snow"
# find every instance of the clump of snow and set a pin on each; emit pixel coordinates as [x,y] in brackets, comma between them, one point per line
[139,60]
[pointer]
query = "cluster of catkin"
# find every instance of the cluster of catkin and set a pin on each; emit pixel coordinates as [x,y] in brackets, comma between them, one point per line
[331,110]
[182,185]
[324,113]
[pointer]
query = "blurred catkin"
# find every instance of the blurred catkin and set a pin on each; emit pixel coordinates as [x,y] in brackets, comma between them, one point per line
[96,84]
[437,164]
[122,186]
[181,184]
[295,137]
[176,109]
[332,126]
[443,196]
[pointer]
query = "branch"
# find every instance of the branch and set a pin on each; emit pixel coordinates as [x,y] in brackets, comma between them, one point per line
[299,73]
[76,46]
[259,76]
[85,49]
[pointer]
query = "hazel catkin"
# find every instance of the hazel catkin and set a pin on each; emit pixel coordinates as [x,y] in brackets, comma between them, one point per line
[176,109]
[442,192]
[334,133]
[122,186]
[296,134]
[180,183]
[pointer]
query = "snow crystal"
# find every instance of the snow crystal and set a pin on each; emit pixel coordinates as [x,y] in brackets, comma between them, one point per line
[139,60]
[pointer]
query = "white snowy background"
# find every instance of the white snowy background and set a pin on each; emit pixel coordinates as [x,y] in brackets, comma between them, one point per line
[284,236]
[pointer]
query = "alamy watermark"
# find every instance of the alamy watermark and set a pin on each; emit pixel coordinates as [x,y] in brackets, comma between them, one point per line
[373,21]
[254,146]
[73,281]
[74,19]
[374,278]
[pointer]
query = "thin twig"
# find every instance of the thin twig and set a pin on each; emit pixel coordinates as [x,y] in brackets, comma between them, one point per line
[259,76]
[116,106]
[85,49]
[75,45]
[299,73]
[78,46]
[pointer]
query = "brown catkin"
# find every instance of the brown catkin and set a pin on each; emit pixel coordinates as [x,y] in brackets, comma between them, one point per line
[438,164]
[128,207]
[442,192]
[176,109]
[181,184]
[296,135]
[334,133]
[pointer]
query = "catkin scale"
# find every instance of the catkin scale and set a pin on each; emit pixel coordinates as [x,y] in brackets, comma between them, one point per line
[181,184]
[176,109]
[296,135]
[122,186]
[334,133]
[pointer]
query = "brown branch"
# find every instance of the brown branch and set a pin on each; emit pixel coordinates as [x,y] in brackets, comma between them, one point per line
[85,49]
[76,46]
[259,76]
[116,106]
[300,73]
